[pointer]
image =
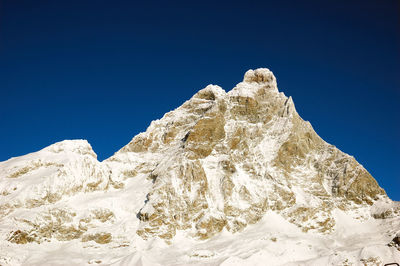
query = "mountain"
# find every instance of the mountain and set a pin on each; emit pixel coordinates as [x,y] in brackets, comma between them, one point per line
[228,178]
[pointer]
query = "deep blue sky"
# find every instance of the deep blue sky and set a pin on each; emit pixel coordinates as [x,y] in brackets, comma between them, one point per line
[102,70]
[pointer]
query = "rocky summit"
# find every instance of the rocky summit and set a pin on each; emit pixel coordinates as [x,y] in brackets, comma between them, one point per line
[228,178]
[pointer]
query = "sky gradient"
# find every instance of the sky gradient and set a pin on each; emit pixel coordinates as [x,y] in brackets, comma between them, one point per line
[103,70]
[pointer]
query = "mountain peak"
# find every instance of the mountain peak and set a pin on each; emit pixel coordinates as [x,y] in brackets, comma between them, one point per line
[79,146]
[231,164]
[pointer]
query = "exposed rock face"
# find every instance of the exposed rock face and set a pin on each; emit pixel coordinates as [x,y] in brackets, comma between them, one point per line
[220,161]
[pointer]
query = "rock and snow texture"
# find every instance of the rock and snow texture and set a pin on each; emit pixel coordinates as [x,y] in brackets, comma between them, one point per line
[228,178]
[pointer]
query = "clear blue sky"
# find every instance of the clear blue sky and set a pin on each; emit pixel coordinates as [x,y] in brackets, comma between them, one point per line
[102,70]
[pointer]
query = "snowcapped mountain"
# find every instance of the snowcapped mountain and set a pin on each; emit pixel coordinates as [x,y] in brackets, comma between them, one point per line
[228,178]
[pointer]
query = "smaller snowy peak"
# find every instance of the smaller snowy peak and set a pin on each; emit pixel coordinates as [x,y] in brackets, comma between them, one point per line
[55,152]
[78,146]
[56,155]
[47,176]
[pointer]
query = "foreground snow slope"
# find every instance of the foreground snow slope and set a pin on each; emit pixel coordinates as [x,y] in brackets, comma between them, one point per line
[228,178]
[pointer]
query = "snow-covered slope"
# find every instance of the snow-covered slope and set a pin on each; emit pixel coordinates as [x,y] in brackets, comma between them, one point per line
[228,178]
